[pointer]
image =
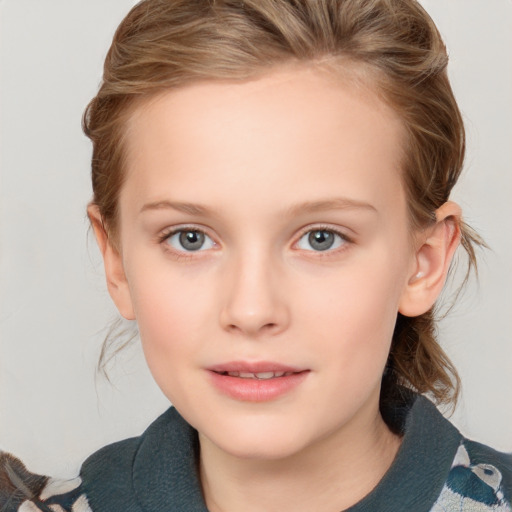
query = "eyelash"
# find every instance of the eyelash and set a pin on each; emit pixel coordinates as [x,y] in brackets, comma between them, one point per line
[345,240]
[165,236]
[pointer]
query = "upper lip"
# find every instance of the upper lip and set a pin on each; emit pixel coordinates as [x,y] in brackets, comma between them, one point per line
[254,367]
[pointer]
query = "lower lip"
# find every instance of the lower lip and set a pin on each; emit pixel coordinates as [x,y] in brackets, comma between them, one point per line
[257,390]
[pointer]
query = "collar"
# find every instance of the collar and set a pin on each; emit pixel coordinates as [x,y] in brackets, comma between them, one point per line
[423,462]
[165,469]
[158,470]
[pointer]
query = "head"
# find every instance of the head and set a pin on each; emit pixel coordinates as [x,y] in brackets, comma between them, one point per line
[387,50]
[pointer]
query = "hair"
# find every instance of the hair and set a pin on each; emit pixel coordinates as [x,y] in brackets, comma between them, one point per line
[166,44]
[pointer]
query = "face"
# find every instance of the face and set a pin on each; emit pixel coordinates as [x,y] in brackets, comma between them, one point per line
[266,248]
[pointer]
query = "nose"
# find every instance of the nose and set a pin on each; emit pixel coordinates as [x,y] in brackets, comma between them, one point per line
[254,297]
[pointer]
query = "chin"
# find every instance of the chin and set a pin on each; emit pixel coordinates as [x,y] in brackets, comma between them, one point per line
[266,448]
[258,440]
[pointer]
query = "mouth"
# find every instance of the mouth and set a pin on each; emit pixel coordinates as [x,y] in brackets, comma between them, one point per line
[258,375]
[256,382]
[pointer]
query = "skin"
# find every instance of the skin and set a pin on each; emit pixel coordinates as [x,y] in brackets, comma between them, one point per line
[260,165]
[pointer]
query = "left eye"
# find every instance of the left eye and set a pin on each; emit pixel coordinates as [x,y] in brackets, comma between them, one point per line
[190,240]
[320,240]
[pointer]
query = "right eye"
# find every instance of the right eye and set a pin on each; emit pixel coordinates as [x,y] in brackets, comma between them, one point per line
[189,240]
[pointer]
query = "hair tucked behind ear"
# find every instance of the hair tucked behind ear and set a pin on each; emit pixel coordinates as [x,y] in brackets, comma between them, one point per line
[392,44]
[416,360]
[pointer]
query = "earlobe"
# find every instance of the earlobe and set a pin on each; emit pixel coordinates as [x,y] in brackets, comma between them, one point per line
[432,261]
[117,283]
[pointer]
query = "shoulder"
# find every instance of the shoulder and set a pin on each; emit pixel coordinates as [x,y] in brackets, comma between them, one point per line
[437,469]
[23,491]
[480,479]
[138,474]
[107,476]
[143,473]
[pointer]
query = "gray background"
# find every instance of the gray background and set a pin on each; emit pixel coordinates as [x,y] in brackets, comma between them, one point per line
[54,306]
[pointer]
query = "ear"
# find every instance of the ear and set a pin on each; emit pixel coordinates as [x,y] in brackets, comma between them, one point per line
[112,260]
[432,260]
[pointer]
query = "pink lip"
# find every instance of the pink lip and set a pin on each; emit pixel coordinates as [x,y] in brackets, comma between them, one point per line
[255,390]
[253,367]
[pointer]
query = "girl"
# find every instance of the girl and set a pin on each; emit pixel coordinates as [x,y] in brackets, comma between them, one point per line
[272,187]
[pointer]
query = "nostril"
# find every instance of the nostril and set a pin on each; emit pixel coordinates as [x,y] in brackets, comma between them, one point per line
[253,329]
[260,314]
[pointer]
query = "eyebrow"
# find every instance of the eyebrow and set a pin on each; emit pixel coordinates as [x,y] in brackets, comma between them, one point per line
[301,208]
[336,203]
[190,208]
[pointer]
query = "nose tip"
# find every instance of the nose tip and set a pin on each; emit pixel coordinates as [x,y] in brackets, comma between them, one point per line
[252,324]
[254,304]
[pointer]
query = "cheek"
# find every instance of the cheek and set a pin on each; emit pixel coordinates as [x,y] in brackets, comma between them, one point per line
[356,309]
[171,316]
[355,331]
[171,311]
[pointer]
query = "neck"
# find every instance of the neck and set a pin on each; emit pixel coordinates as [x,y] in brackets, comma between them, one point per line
[331,475]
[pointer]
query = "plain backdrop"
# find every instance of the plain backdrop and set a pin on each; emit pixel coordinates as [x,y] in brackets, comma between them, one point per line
[54,409]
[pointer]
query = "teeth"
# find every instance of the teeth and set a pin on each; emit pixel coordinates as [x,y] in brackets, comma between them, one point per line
[265,375]
[259,375]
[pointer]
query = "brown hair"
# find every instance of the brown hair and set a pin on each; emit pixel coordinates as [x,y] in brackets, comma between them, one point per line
[164,44]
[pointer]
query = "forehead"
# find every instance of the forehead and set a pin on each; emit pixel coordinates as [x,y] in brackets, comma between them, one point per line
[302,126]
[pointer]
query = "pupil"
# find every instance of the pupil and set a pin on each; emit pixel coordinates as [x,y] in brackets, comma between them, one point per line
[192,240]
[321,240]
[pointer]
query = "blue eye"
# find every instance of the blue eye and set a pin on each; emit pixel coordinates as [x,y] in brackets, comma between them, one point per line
[321,240]
[190,240]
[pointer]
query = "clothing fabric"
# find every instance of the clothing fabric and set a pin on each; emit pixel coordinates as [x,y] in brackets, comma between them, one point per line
[436,470]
